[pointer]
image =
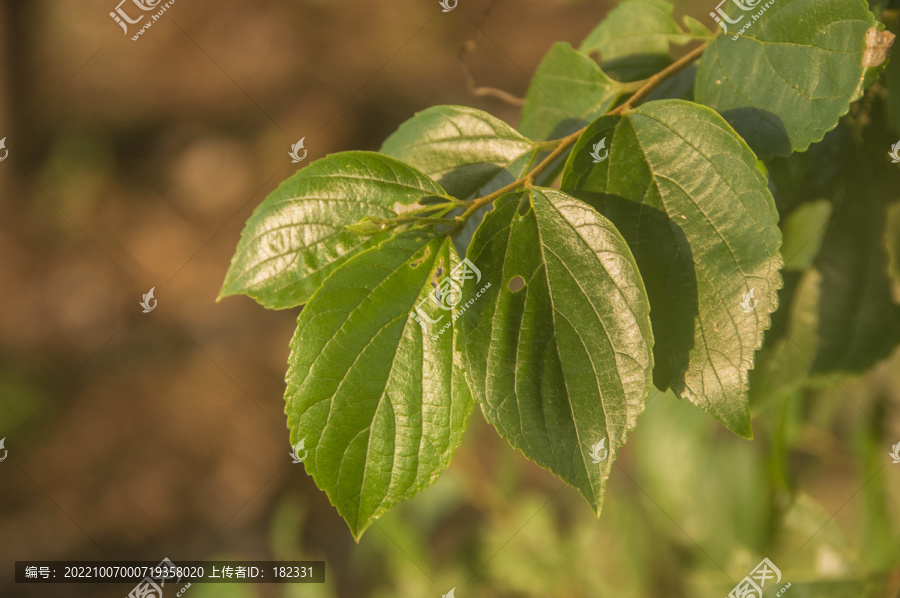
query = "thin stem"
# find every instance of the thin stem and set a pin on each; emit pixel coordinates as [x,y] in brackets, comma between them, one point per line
[563,145]
[416,220]
[656,80]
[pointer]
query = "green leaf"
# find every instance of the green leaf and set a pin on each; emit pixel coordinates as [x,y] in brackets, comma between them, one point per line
[892,242]
[380,400]
[892,82]
[296,237]
[845,313]
[633,40]
[563,363]
[787,80]
[814,174]
[462,148]
[697,29]
[803,232]
[783,364]
[859,321]
[567,92]
[686,193]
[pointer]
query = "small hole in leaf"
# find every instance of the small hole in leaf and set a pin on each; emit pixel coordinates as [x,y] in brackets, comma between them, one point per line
[516,284]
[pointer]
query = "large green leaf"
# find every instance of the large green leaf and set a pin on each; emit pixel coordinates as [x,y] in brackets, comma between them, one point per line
[844,314]
[633,40]
[785,81]
[563,363]
[462,148]
[296,237]
[859,321]
[379,400]
[567,92]
[685,192]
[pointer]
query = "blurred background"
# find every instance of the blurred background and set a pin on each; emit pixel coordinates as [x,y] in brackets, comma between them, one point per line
[134,164]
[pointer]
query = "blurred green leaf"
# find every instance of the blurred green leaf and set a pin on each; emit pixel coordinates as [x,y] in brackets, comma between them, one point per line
[892,82]
[808,519]
[784,363]
[718,497]
[859,321]
[815,174]
[803,232]
[892,242]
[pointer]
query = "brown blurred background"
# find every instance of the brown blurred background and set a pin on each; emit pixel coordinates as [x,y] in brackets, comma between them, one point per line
[134,164]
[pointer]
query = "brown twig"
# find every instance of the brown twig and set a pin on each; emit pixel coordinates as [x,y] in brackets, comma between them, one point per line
[482,91]
[649,85]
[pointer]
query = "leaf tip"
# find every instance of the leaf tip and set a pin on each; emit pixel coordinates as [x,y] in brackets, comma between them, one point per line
[358,529]
[224,292]
[742,426]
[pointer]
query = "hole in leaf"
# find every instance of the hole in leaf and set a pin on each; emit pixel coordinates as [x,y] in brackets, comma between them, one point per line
[516,284]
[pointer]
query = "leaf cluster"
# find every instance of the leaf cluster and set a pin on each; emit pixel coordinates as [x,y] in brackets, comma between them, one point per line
[447,269]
